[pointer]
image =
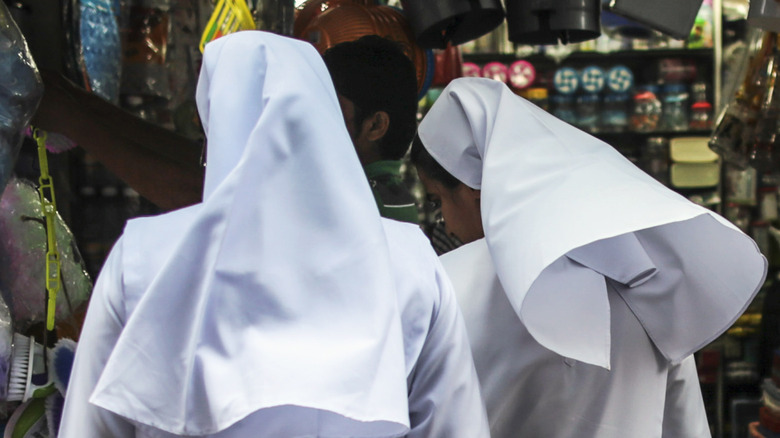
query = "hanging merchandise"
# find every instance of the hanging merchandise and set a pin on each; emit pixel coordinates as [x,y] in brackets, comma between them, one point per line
[763,154]
[229,16]
[145,49]
[23,241]
[327,23]
[49,209]
[733,136]
[99,47]
[20,92]
[276,16]
[448,66]
[184,59]
[436,23]
[551,22]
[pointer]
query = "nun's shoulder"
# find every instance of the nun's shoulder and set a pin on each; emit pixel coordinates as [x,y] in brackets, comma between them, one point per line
[406,237]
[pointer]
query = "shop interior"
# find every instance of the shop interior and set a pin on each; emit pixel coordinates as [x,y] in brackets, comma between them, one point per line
[685,90]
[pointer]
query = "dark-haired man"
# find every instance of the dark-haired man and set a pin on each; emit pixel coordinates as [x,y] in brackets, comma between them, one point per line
[377,88]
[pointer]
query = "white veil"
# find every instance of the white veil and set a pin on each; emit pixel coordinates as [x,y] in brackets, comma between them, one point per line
[276,290]
[562,211]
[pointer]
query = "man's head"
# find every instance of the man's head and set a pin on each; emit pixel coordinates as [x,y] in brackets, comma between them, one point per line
[377,87]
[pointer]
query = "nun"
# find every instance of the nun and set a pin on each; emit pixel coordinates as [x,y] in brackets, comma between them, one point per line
[276,307]
[585,284]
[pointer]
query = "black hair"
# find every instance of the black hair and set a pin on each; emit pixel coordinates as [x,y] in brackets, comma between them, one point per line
[423,160]
[375,74]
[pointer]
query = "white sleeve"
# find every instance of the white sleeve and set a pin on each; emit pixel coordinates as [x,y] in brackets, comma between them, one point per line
[101,330]
[684,413]
[444,396]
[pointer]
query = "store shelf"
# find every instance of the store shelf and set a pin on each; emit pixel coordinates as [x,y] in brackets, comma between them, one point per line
[705,55]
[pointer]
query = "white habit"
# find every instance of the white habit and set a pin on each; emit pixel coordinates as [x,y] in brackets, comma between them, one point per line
[594,283]
[281,306]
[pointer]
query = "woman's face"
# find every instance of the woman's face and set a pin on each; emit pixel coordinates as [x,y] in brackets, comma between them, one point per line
[459,207]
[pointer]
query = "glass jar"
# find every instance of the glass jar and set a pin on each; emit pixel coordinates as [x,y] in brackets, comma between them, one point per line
[701,116]
[646,110]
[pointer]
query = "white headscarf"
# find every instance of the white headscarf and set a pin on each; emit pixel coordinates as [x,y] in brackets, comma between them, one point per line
[278,290]
[549,190]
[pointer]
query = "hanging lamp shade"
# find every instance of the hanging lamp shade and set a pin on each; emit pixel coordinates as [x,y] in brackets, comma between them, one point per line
[552,21]
[325,23]
[438,22]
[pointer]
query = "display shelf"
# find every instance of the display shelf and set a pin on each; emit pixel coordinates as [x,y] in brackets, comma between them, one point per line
[640,56]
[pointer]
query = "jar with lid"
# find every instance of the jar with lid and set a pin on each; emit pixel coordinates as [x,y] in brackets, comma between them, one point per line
[588,112]
[701,115]
[614,117]
[675,107]
[646,109]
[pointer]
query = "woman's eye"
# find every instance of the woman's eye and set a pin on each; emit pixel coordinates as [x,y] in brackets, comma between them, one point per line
[434,204]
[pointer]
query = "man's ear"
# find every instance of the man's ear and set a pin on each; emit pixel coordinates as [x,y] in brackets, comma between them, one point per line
[375,127]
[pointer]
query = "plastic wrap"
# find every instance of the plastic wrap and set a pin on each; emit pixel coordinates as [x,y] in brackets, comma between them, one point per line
[99,32]
[20,92]
[22,259]
[145,32]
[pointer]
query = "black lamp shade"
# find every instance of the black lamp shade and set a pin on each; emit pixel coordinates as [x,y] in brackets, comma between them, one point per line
[438,22]
[550,21]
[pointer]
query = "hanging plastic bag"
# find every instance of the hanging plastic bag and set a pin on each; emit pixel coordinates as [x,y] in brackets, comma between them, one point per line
[20,92]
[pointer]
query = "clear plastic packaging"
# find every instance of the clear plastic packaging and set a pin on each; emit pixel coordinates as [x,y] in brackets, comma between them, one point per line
[100,47]
[20,92]
[23,258]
